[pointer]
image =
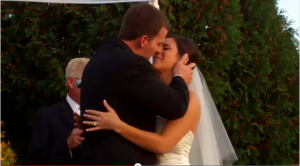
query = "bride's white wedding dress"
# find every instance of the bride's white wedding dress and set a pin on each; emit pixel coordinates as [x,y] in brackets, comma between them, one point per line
[210,145]
[179,154]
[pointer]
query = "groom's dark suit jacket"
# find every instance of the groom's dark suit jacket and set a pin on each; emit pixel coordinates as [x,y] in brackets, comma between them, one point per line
[129,84]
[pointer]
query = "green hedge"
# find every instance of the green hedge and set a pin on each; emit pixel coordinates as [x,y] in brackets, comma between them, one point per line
[249,58]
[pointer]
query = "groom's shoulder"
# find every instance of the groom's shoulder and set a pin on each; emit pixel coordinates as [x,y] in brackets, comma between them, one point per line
[125,59]
[137,60]
[138,63]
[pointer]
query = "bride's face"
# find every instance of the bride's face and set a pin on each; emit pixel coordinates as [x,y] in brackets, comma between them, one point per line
[168,58]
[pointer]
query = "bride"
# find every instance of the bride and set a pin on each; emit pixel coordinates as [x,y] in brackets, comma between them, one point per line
[199,138]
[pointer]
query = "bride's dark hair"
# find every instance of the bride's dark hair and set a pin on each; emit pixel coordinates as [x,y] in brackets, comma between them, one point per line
[185,45]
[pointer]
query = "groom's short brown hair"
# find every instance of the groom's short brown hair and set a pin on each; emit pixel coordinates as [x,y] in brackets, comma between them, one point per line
[143,19]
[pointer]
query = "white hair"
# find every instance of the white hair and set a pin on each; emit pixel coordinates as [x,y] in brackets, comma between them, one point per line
[75,67]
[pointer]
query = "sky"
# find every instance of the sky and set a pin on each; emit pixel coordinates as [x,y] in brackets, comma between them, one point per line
[292,8]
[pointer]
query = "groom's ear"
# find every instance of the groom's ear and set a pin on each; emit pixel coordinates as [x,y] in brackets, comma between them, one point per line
[143,41]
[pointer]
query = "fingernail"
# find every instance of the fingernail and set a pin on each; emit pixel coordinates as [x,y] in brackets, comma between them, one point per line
[84,115]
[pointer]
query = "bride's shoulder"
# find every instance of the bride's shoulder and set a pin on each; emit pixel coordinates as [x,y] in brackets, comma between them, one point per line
[193,96]
[194,100]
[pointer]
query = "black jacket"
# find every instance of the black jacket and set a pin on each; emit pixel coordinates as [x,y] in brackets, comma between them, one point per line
[129,84]
[52,127]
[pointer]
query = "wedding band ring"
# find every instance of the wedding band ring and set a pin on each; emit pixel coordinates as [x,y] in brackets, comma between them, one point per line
[95,123]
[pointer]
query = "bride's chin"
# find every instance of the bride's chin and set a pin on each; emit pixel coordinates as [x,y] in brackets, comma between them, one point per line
[155,66]
[157,70]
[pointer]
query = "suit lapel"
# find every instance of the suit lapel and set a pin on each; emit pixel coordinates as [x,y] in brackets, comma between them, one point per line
[66,113]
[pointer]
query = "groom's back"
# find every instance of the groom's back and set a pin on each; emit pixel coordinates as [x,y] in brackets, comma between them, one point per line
[105,77]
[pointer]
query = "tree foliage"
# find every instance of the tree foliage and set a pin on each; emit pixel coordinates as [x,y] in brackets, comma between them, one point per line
[8,156]
[249,58]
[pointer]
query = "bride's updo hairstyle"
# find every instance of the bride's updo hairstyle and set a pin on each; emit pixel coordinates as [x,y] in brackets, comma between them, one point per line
[185,45]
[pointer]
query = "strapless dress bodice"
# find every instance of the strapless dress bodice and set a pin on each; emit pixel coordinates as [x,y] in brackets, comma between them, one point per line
[179,154]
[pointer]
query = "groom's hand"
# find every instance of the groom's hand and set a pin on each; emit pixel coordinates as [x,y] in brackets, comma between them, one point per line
[183,70]
[75,138]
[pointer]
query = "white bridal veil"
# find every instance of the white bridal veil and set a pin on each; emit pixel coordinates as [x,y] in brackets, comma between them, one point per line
[211,145]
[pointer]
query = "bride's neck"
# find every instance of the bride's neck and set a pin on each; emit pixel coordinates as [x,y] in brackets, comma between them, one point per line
[166,77]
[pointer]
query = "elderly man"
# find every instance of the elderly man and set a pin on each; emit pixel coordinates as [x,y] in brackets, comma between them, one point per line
[55,140]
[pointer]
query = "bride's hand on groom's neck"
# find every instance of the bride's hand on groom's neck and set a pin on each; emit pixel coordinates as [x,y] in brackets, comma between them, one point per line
[184,70]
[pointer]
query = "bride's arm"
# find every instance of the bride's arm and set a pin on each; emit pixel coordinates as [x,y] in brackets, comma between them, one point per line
[171,135]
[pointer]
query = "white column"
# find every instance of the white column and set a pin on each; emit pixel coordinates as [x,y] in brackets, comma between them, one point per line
[154,3]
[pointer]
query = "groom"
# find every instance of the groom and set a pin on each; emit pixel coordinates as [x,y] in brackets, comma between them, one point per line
[121,73]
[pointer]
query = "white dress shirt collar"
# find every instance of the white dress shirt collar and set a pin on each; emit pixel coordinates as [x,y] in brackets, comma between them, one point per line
[75,107]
